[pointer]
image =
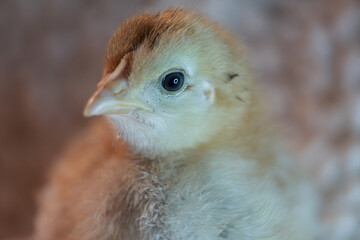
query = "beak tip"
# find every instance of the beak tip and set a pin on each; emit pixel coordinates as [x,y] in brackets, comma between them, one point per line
[86,114]
[88,111]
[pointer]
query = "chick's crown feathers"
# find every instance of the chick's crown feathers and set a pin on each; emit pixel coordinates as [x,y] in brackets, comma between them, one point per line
[145,30]
[142,29]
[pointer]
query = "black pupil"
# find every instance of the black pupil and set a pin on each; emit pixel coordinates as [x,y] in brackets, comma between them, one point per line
[173,81]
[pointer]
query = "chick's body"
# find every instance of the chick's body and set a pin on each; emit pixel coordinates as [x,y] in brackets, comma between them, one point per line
[194,160]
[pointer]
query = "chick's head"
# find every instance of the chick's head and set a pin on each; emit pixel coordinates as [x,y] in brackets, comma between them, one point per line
[171,81]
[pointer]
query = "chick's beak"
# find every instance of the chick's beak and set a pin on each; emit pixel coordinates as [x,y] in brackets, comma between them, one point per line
[112,97]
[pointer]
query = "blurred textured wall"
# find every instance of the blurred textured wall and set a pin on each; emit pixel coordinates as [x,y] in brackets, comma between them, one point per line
[305,53]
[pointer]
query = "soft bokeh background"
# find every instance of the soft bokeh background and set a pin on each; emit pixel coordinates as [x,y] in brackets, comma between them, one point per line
[306,55]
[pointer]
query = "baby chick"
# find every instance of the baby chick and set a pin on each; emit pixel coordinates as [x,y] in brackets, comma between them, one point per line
[188,155]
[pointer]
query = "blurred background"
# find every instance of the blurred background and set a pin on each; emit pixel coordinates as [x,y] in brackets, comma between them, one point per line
[306,56]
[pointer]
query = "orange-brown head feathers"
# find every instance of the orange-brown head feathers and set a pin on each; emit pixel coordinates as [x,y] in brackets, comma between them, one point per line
[141,30]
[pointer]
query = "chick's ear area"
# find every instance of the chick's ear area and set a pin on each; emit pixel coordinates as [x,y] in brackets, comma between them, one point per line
[209,92]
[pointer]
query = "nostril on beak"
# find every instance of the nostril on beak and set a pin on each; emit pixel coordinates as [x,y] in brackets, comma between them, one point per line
[119,93]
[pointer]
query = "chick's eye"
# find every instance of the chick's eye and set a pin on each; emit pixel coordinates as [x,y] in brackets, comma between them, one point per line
[173,81]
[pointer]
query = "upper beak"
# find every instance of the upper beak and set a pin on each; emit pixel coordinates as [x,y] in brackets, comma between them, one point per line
[112,98]
[112,95]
